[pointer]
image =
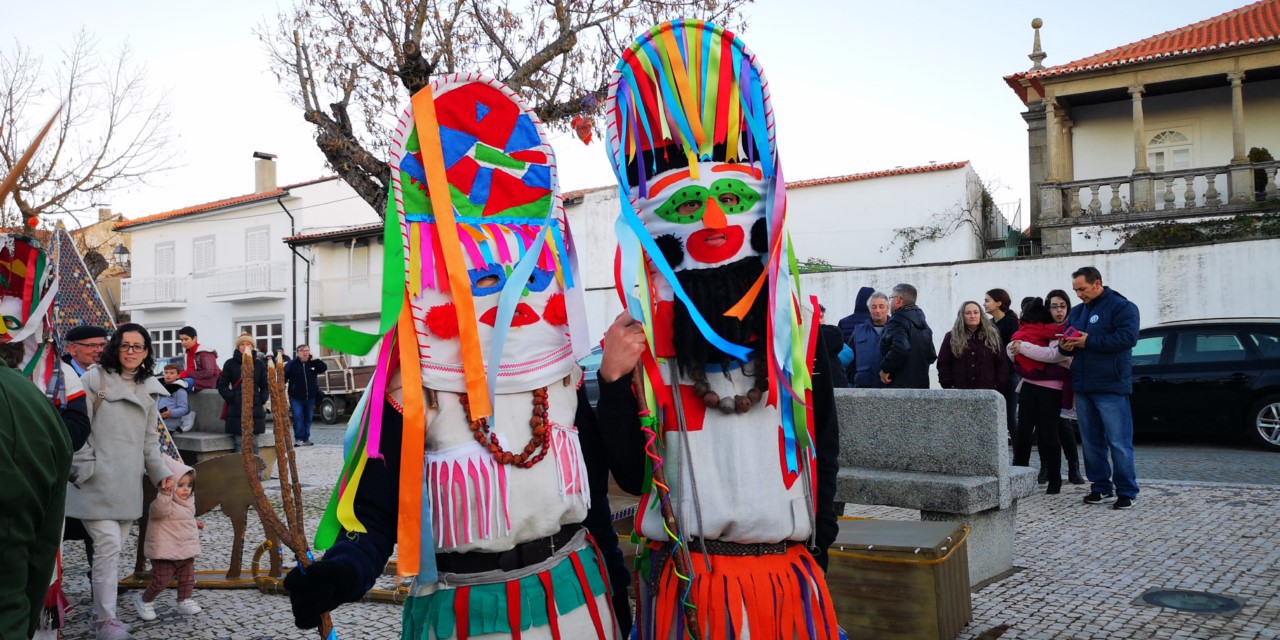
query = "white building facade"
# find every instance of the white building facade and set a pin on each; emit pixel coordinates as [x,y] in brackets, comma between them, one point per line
[222,267]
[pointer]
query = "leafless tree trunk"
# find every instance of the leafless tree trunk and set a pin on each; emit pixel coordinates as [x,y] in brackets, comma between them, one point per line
[354,63]
[111,134]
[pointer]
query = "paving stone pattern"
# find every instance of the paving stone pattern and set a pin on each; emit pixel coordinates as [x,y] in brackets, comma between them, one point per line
[1079,568]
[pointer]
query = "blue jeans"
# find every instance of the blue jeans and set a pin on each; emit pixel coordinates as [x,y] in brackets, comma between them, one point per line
[302,412]
[1106,427]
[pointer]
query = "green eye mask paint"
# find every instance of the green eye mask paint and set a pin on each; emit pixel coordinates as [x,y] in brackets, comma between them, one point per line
[670,210]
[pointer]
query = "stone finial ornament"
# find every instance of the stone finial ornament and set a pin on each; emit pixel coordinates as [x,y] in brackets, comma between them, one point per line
[1037,55]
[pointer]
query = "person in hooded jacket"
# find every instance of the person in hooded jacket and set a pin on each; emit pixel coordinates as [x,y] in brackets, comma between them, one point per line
[229,386]
[861,315]
[906,347]
[172,543]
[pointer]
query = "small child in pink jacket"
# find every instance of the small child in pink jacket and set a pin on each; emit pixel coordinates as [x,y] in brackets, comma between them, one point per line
[172,544]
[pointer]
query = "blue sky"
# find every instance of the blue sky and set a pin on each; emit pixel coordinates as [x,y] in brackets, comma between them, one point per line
[857,86]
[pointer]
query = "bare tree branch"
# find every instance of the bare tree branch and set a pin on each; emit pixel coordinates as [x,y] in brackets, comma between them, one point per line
[368,57]
[110,135]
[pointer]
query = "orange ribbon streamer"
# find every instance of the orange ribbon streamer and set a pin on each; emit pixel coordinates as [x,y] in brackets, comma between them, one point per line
[424,116]
[412,446]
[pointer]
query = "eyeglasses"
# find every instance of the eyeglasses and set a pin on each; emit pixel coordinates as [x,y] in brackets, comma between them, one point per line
[90,345]
[132,348]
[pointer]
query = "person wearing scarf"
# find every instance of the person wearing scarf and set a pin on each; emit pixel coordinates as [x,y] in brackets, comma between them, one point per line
[1044,391]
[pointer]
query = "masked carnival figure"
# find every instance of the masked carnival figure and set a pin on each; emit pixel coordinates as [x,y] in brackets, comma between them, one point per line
[37,460]
[471,450]
[741,441]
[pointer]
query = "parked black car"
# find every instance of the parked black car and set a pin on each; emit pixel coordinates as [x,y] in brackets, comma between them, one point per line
[1209,376]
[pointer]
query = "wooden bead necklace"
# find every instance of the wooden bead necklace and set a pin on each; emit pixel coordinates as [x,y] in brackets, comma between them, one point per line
[728,405]
[533,452]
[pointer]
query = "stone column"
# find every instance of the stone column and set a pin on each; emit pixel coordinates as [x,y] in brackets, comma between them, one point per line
[1068,151]
[1240,177]
[1053,140]
[1237,117]
[1142,188]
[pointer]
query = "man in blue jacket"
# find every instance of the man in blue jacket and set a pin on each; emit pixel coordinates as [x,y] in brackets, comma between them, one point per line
[301,373]
[864,371]
[1100,334]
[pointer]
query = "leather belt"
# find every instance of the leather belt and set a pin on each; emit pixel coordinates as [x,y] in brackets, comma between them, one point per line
[722,548]
[522,555]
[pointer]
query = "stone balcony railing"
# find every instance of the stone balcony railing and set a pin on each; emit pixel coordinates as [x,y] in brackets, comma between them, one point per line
[1187,191]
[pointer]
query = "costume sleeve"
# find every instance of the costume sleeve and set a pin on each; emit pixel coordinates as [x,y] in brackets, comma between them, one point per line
[180,406]
[377,507]
[895,347]
[619,421]
[599,521]
[826,431]
[945,363]
[1125,335]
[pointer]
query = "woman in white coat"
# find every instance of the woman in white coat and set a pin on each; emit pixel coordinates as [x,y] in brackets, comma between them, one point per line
[107,496]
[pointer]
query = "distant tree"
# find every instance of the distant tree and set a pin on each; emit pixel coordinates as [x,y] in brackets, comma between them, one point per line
[366,58]
[109,135]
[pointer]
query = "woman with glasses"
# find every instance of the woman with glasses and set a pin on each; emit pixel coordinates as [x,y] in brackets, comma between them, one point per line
[1059,307]
[122,444]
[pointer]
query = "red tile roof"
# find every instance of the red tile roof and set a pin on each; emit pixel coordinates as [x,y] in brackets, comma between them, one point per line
[219,204]
[900,171]
[1258,23]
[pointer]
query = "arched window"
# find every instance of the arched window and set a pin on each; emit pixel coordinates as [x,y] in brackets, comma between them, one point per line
[1169,150]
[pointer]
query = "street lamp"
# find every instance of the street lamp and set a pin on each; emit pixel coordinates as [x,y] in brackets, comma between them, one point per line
[121,256]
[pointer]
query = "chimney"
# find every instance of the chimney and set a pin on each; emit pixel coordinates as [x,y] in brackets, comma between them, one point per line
[104,214]
[264,172]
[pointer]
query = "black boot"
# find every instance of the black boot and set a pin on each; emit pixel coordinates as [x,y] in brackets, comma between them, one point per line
[1043,477]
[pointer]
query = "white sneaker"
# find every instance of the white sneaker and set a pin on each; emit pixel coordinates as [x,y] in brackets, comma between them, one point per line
[146,610]
[188,607]
[113,629]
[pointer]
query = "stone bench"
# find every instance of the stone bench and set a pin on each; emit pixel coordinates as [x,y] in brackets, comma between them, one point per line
[942,452]
[208,438]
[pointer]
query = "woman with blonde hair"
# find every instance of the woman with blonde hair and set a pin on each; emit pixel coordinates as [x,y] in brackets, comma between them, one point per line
[971,356]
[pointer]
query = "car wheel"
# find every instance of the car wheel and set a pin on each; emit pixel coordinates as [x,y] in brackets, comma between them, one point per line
[1264,422]
[329,411]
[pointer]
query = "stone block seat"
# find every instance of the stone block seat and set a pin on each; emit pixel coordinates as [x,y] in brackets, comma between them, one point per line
[208,438]
[942,452]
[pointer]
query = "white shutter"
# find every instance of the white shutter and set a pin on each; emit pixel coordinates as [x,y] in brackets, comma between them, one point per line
[202,255]
[256,249]
[164,259]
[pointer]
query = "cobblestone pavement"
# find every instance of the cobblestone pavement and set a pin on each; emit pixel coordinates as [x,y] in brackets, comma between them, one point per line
[1080,568]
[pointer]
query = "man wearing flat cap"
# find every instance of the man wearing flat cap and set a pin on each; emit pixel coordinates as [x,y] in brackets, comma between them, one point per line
[84,347]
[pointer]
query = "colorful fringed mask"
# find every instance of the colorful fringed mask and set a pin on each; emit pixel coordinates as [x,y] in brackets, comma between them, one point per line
[479,281]
[701,234]
[28,287]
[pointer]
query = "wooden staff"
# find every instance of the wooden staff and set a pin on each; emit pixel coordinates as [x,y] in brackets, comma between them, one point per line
[293,537]
[10,182]
[679,552]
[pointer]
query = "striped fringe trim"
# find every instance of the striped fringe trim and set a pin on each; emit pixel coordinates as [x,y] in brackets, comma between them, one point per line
[458,479]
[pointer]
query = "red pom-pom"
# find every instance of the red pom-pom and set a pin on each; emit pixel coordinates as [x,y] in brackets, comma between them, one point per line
[555,313]
[442,321]
[33,222]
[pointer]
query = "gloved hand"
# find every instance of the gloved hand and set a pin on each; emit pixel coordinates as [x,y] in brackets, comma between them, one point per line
[323,587]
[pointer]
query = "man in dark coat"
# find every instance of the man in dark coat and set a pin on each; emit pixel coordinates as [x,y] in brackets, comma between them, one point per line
[229,388]
[300,373]
[1100,334]
[906,348]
